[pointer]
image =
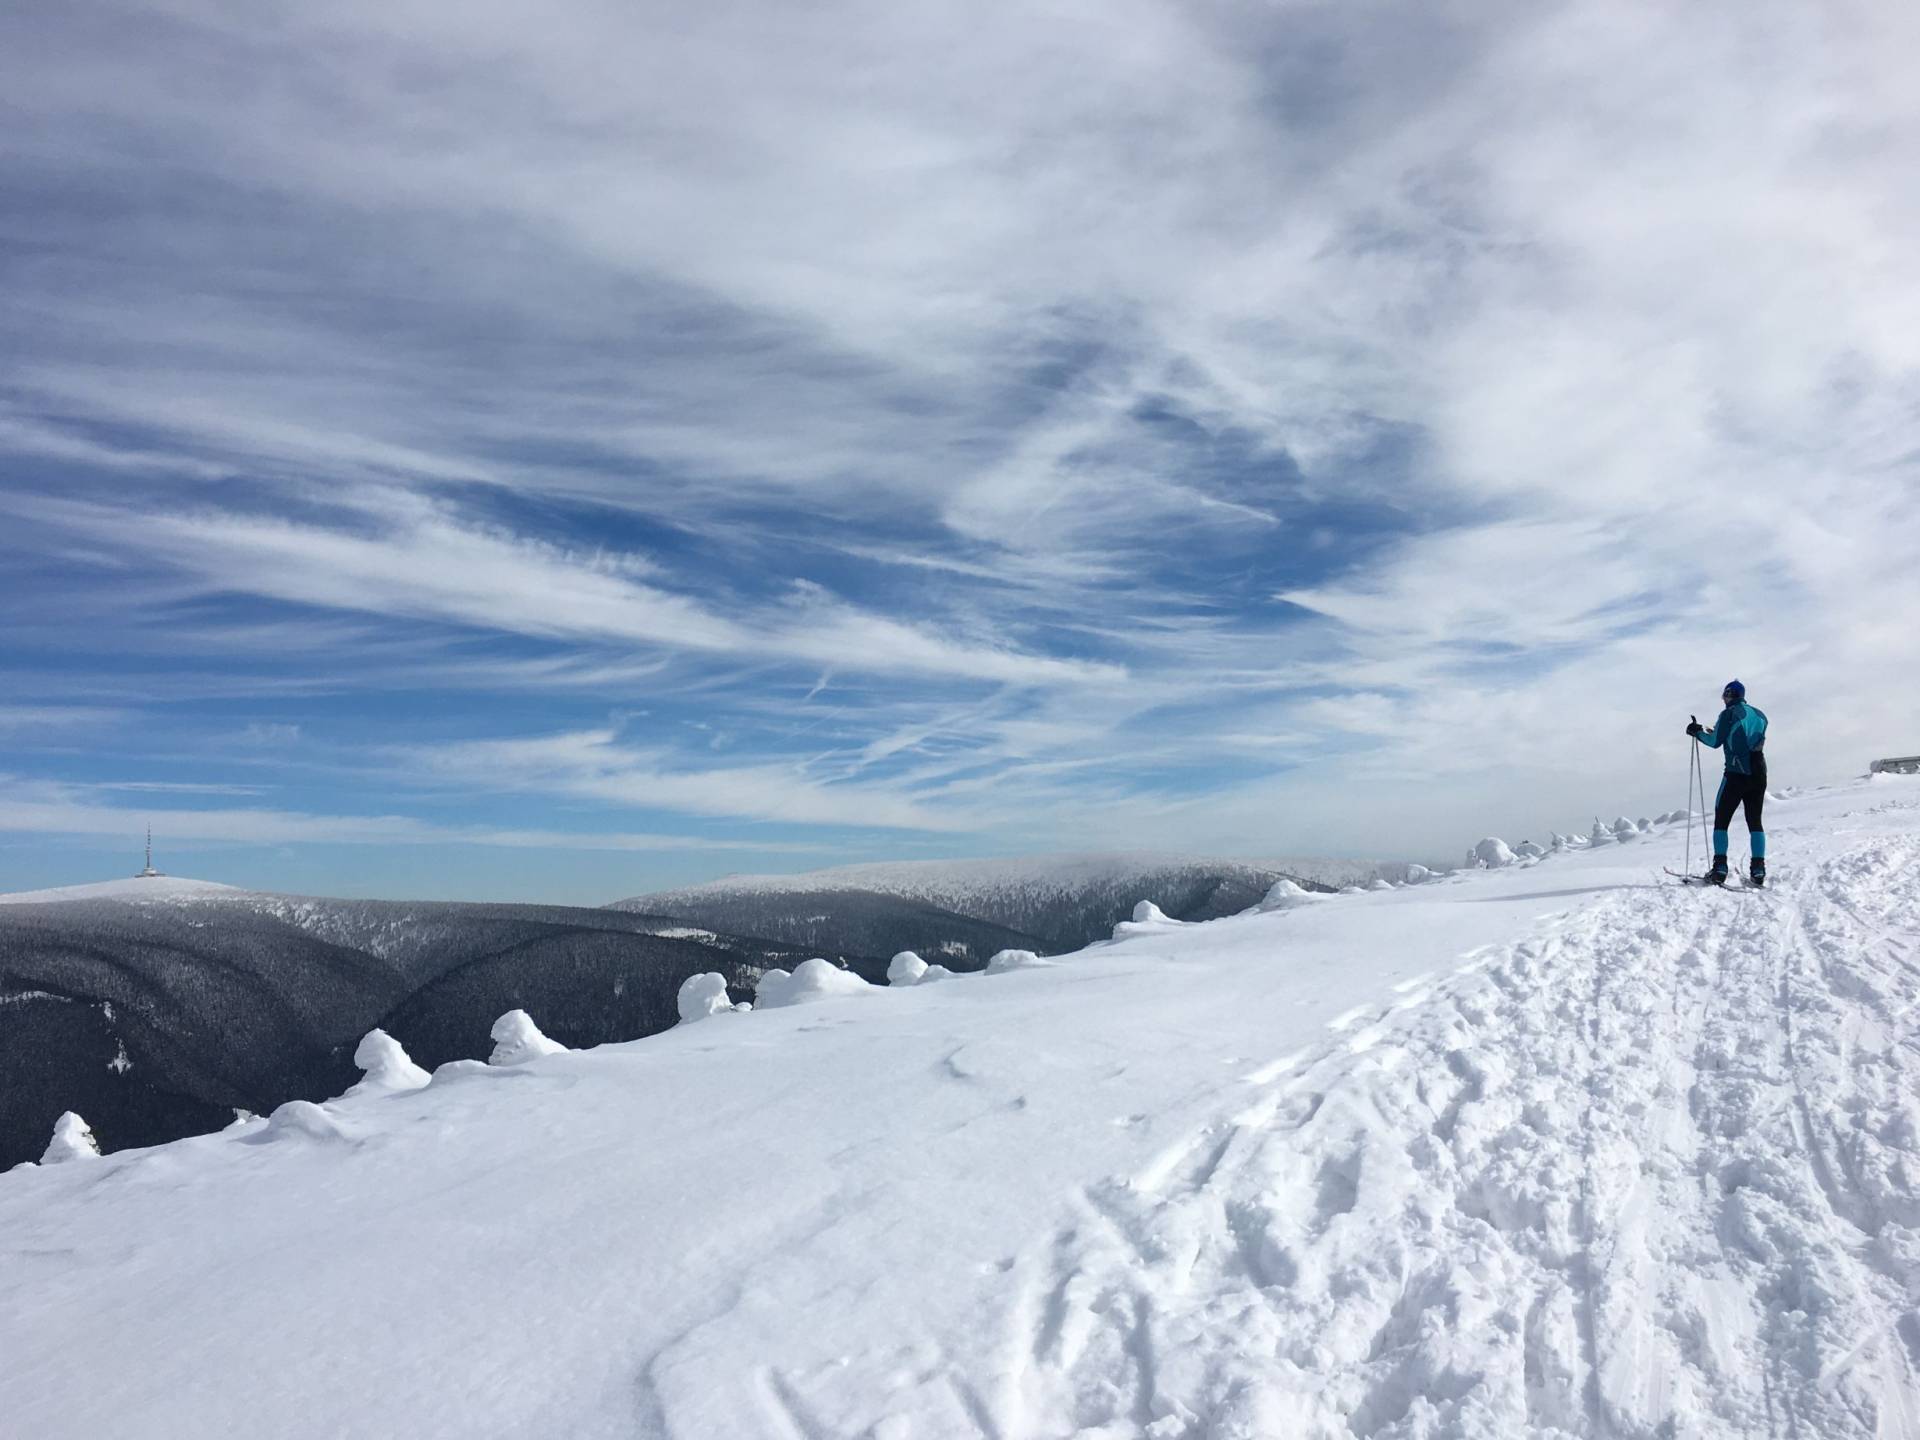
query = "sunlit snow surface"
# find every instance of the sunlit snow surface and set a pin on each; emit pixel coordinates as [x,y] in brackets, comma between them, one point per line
[1559,1148]
[151,887]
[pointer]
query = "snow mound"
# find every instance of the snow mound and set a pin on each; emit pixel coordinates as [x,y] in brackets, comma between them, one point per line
[1284,895]
[937,972]
[1005,960]
[1416,875]
[386,1065]
[703,995]
[1600,834]
[301,1120]
[811,980]
[1491,854]
[72,1140]
[906,968]
[1147,916]
[516,1040]
[1529,850]
[1379,882]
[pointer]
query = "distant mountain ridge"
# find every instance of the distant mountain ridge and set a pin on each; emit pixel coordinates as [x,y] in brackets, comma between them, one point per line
[1054,902]
[157,1007]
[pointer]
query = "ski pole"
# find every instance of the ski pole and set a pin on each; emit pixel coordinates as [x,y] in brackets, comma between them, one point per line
[1700,781]
[1693,759]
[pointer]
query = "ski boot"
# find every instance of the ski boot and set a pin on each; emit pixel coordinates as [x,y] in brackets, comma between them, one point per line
[1757,872]
[1718,874]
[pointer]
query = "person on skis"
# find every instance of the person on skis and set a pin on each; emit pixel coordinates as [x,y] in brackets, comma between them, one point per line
[1741,735]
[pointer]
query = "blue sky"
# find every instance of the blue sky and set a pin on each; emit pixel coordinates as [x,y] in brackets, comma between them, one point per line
[441,455]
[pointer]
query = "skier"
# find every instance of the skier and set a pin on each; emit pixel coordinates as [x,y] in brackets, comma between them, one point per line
[1741,733]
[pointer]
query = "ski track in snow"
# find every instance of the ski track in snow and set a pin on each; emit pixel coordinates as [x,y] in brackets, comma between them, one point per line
[1638,1175]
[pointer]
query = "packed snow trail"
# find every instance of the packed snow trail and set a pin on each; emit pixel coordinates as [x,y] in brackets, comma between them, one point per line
[1650,1174]
[1558,1149]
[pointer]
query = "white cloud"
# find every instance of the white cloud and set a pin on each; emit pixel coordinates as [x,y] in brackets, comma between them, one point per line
[596,766]
[33,807]
[413,558]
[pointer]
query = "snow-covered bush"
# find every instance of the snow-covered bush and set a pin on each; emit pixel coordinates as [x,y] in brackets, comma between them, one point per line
[1528,850]
[1491,854]
[810,980]
[906,968]
[1600,834]
[1416,875]
[1005,960]
[935,972]
[1284,894]
[72,1140]
[386,1066]
[703,995]
[300,1120]
[516,1040]
[1624,829]
[1147,916]
[1379,882]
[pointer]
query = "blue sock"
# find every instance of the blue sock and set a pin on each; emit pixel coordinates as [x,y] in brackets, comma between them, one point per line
[1719,842]
[1758,839]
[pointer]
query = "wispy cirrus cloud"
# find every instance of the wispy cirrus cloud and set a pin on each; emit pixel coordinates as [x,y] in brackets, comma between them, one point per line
[418,559]
[597,766]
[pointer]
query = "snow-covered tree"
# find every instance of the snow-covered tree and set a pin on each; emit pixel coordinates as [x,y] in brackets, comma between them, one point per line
[702,996]
[906,968]
[386,1066]
[1284,894]
[516,1040]
[1491,854]
[811,980]
[72,1140]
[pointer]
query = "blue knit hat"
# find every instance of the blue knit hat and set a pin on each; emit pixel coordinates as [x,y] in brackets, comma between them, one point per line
[1735,689]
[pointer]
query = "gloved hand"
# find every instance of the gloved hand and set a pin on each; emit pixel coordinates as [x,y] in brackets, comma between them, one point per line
[1694,727]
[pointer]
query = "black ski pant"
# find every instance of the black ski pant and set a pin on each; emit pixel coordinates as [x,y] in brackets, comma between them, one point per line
[1748,792]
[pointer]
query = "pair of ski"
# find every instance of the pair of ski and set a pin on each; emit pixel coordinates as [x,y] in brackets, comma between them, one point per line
[1730,883]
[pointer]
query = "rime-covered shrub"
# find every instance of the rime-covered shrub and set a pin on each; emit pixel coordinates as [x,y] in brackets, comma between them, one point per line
[516,1040]
[702,996]
[72,1140]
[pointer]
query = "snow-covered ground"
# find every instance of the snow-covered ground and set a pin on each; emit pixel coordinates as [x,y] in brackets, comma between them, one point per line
[170,889]
[1555,1148]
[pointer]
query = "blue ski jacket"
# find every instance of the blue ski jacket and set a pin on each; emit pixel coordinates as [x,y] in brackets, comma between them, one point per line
[1742,731]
